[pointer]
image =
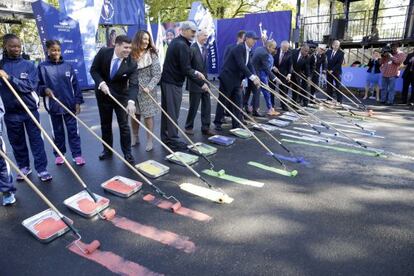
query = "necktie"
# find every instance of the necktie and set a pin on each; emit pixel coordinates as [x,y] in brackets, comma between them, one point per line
[114,68]
[204,53]
[281,57]
[333,54]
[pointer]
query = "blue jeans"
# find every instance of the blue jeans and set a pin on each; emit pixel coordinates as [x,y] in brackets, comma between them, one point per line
[388,89]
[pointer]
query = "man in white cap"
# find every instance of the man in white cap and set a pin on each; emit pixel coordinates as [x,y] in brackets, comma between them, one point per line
[176,68]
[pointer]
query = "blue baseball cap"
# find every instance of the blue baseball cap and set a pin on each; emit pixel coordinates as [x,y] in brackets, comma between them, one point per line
[251,34]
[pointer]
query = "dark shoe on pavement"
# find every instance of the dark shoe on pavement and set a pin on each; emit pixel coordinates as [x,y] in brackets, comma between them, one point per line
[105,155]
[208,132]
[218,128]
[130,159]
[257,114]
[189,131]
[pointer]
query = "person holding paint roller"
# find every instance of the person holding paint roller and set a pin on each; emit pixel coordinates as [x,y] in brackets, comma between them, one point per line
[6,178]
[236,67]
[112,69]
[58,78]
[22,75]
[149,74]
[199,62]
[177,67]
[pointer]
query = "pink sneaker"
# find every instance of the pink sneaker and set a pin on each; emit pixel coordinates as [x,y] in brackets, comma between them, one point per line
[59,161]
[79,161]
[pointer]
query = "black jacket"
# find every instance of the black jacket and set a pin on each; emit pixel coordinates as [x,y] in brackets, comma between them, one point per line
[317,62]
[335,63]
[374,64]
[285,66]
[177,64]
[199,64]
[260,62]
[127,73]
[409,69]
[300,66]
[234,69]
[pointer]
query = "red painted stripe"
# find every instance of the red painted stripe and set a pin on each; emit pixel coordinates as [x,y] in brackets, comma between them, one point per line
[183,211]
[164,237]
[113,262]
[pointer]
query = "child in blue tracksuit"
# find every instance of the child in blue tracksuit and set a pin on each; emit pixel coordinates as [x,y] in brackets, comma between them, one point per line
[22,75]
[6,178]
[58,78]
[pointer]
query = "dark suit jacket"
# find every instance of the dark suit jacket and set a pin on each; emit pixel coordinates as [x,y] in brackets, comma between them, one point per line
[335,63]
[260,62]
[409,70]
[127,71]
[286,64]
[234,69]
[317,62]
[227,50]
[302,66]
[197,63]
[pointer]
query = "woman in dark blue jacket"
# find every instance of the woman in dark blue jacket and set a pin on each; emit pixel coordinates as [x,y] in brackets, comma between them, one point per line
[22,75]
[58,78]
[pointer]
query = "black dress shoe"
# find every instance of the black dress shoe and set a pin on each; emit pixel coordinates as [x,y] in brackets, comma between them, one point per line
[218,128]
[257,114]
[105,155]
[130,159]
[208,132]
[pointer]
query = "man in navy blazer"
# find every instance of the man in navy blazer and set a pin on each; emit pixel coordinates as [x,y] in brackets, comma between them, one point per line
[300,65]
[335,59]
[237,66]
[282,66]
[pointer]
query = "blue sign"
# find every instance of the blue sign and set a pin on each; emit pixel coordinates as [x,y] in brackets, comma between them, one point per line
[52,24]
[123,12]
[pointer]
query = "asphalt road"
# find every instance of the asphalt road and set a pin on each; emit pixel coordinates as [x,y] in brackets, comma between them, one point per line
[344,214]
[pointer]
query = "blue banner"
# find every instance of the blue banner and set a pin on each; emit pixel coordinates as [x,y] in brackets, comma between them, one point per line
[356,77]
[52,24]
[123,12]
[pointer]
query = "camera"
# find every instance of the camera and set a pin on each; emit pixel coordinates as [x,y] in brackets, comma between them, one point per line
[386,49]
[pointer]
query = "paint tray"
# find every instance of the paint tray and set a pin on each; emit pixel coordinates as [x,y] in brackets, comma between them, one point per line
[241,132]
[83,204]
[278,123]
[189,159]
[152,168]
[121,186]
[46,226]
[264,126]
[203,149]
[288,118]
[222,140]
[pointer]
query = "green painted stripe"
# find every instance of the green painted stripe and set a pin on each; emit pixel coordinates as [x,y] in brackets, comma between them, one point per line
[220,174]
[272,169]
[342,149]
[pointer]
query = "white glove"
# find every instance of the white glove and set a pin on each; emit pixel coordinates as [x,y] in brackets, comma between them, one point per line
[276,80]
[131,108]
[105,89]
[205,88]
[256,81]
[244,83]
[275,69]
[288,77]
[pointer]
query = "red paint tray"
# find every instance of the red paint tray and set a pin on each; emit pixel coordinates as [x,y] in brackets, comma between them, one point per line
[121,186]
[83,204]
[46,226]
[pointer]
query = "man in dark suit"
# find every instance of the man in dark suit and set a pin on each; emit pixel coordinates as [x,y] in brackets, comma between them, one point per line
[199,62]
[177,67]
[262,62]
[408,78]
[281,66]
[335,59]
[239,40]
[300,65]
[317,64]
[112,69]
[236,67]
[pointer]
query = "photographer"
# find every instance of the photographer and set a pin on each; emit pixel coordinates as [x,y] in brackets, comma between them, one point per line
[392,58]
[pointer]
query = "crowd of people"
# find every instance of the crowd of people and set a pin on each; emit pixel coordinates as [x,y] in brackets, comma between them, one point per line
[130,72]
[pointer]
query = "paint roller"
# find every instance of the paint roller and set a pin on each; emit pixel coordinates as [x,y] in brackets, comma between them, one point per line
[182,132]
[291,173]
[321,122]
[330,109]
[296,159]
[83,184]
[87,249]
[222,196]
[111,213]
